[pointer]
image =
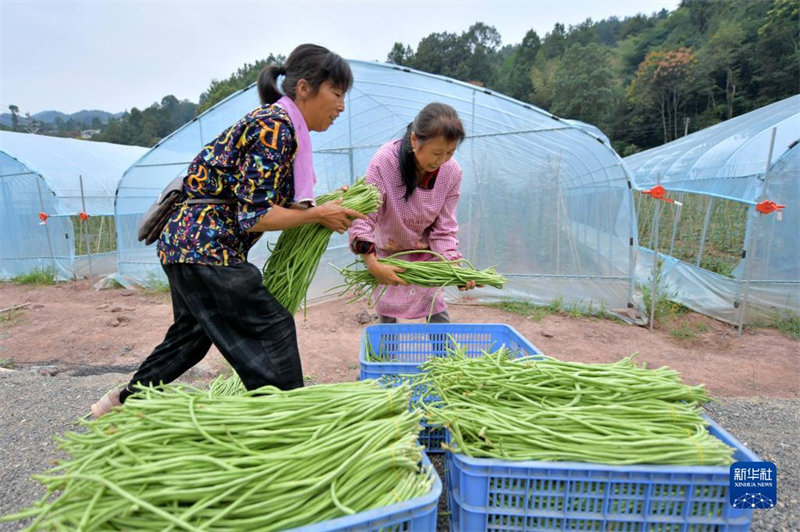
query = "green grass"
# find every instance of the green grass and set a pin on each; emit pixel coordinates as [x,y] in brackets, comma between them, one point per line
[113,284]
[557,307]
[665,308]
[156,286]
[687,331]
[7,364]
[37,276]
[533,312]
[156,283]
[790,324]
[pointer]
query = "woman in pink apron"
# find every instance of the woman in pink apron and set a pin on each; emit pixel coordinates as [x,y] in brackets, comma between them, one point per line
[420,183]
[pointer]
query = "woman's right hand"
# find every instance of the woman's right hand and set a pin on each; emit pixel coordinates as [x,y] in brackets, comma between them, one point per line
[386,274]
[335,217]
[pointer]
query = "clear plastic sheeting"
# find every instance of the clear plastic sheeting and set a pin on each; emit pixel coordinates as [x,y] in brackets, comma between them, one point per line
[715,295]
[546,202]
[773,251]
[726,160]
[738,160]
[589,128]
[60,178]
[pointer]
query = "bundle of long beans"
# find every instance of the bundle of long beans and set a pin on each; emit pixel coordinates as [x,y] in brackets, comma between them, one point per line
[293,261]
[543,409]
[360,283]
[176,459]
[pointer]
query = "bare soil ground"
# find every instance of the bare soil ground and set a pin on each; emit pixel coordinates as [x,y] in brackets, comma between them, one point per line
[70,328]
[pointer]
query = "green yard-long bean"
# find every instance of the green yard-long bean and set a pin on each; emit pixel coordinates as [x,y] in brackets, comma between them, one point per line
[360,283]
[540,408]
[178,458]
[295,257]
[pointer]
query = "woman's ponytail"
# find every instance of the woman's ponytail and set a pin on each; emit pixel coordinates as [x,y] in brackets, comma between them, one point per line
[268,91]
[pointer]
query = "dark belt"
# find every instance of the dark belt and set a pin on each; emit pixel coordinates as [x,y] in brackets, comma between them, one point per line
[195,201]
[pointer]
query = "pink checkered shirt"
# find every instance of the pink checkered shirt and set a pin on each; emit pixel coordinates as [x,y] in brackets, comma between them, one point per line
[426,221]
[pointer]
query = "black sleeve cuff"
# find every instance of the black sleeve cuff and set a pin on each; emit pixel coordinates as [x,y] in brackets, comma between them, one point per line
[361,247]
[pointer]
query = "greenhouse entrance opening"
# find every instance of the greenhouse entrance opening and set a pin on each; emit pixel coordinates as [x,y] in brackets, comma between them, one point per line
[732,249]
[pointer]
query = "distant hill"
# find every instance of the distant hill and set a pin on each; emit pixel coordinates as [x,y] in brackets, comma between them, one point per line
[49,117]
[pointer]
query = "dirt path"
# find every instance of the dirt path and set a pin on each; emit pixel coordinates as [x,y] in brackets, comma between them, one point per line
[70,328]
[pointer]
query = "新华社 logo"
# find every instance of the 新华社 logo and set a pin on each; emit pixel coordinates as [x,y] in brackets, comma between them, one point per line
[753,485]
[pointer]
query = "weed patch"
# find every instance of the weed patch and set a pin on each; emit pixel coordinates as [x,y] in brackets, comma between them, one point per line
[686,330]
[37,276]
[556,306]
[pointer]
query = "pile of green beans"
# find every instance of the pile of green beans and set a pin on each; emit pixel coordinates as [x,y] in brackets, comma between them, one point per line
[223,385]
[293,261]
[530,408]
[434,273]
[175,458]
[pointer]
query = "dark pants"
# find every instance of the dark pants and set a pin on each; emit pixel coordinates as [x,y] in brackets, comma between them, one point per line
[229,307]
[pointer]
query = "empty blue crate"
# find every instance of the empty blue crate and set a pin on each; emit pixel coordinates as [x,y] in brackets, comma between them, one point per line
[493,495]
[390,351]
[415,515]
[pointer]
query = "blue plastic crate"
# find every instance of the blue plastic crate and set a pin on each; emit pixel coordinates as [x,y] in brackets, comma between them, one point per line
[415,515]
[403,347]
[494,495]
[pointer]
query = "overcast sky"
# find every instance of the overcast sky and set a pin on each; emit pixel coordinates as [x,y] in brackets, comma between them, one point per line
[115,55]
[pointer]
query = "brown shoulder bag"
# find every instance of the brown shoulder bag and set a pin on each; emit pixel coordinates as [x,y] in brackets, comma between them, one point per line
[159,213]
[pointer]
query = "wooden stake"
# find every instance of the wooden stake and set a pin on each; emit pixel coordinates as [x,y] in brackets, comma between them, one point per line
[15,307]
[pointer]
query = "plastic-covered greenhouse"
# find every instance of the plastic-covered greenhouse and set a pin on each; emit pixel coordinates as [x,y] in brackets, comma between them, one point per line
[729,170]
[46,182]
[545,201]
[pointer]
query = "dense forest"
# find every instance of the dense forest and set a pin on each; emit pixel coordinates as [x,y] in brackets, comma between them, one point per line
[643,80]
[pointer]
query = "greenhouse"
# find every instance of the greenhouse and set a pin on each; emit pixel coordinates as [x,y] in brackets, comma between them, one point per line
[730,250]
[544,200]
[57,204]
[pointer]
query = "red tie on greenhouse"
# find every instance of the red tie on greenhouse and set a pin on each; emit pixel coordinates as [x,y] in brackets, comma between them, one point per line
[769,206]
[658,192]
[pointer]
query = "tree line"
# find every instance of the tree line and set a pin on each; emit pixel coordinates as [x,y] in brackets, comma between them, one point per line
[643,80]
[148,126]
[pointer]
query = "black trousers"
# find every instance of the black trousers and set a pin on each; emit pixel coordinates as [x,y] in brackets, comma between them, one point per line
[229,307]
